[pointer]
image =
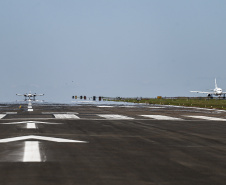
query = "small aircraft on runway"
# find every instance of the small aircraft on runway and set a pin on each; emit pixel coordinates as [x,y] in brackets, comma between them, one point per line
[30,96]
[216,92]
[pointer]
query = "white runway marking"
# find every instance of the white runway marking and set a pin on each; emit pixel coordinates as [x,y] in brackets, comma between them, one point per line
[29,107]
[66,116]
[114,116]
[31,152]
[59,113]
[31,126]
[161,117]
[104,106]
[11,112]
[208,118]
[127,106]
[221,110]
[2,116]
[6,140]
[156,107]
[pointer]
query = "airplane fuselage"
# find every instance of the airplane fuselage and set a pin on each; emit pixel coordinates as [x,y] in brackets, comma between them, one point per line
[218,91]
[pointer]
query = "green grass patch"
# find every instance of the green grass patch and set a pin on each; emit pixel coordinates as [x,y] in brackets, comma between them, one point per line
[202,103]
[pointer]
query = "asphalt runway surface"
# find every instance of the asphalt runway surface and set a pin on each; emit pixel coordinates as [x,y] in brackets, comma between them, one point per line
[67,144]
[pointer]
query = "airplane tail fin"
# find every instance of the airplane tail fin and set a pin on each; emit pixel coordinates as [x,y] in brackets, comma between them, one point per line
[215,83]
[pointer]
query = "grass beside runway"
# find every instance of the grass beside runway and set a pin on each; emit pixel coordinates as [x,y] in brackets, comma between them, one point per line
[202,103]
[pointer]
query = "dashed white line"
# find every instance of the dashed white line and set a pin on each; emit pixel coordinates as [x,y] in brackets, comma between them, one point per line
[31,126]
[59,113]
[156,107]
[220,110]
[66,116]
[161,117]
[114,116]
[31,152]
[208,118]
[104,106]
[128,106]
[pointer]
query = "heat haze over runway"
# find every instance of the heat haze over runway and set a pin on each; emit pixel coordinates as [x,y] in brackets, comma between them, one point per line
[112,143]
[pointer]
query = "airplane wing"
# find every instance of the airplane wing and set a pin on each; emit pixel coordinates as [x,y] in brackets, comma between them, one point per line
[38,94]
[39,101]
[20,94]
[203,92]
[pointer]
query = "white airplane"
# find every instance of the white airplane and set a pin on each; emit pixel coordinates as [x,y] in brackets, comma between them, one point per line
[30,96]
[217,91]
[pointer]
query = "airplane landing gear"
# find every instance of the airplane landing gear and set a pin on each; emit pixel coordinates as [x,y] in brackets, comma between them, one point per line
[210,96]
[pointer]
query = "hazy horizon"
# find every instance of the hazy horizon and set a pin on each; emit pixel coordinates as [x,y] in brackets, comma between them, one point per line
[125,48]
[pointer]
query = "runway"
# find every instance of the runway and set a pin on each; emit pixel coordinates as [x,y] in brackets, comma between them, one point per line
[108,143]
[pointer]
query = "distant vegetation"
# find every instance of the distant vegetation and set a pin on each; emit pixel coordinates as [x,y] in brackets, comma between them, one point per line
[190,102]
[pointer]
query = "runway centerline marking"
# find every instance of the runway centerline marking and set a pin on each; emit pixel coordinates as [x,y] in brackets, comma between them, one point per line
[114,116]
[161,117]
[31,152]
[208,118]
[31,149]
[31,126]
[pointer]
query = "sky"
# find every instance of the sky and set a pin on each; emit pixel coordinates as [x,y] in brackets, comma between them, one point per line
[126,48]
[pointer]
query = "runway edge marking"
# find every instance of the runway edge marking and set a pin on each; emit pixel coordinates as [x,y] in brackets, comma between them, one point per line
[114,116]
[161,117]
[207,118]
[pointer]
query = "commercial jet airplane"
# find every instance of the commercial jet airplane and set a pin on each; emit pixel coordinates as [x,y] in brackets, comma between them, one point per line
[30,96]
[217,91]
